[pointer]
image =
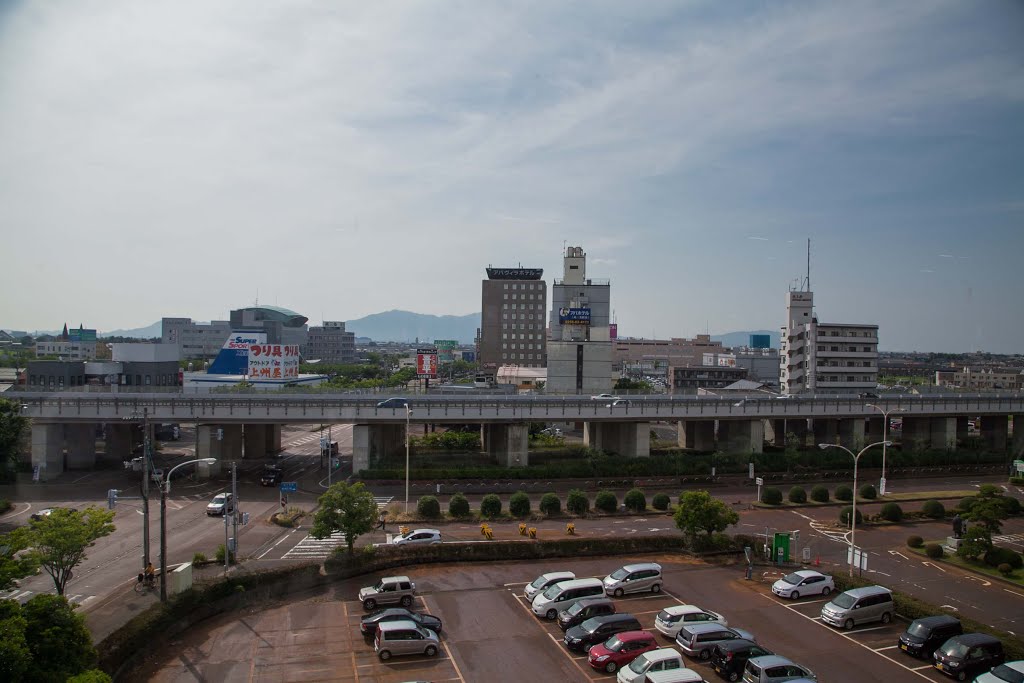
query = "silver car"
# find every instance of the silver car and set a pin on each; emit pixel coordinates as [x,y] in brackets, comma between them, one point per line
[699,640]
[396,638]
[775,669]
[634,578]
[418,537]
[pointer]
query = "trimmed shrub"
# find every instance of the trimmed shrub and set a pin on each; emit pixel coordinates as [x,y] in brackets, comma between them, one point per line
[550,504]
[1005,569]
[914,541]
[605,501]
[891,512]
[868,492]
[428,507]
[933,509]
[819,494]
[844,493]
[458,506]
[844,516]
[519,504]
[771,496]
[635,501]
[490,506]
[577,502]
[934,551]
[660,501]
[997,556]
[966,504]
[798,495]
[199,558]
[1011,505]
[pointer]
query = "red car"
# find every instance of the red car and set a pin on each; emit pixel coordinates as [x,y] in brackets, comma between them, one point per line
[621,649]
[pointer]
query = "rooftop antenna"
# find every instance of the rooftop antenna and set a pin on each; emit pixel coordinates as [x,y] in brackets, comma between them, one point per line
[808,280]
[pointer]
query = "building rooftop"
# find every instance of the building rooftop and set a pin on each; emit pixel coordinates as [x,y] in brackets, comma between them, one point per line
[288,317]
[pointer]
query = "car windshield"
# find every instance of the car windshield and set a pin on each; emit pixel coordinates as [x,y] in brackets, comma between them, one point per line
[575,609]
[552,592]
[613,644]
[591,624]
[667,617]
[379,586]
[538,582]
[954,648]
[918,629]
[793,579]
[219,499]
[620,574]
[845,601]
[640,664]
[1005,673]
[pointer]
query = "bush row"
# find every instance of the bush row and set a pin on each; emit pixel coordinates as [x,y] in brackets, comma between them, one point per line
[519,506]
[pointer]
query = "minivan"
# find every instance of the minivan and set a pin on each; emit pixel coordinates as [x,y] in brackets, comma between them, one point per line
[545,581]
[584,609]
[634,578]
[859,606]
[729,659]
[662,659]
[774,669]
[967,655]
[404,638]
[599,629]
[924,636]
[674,676]
[562,595]
[698,640]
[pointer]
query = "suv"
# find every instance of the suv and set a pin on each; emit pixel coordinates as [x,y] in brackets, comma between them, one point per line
[924,636]
[859,606]
[584,609]
[969,654]
[728,659]
[772,668]
[271,475]
[404,638]
[620,650]
[698,640]
[599,629]
[388,591]
[221,504]
[634,578]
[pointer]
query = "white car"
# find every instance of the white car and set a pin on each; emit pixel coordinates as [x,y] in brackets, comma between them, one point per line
[1010,671]
[803,582]
[604,397]
[671,619]
[418,537]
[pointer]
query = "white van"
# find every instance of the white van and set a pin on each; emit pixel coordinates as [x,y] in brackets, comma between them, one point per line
[674,676]
[545,581]
[561,596]
[662,659]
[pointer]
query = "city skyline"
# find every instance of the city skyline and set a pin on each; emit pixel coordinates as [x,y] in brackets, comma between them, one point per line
[340,161]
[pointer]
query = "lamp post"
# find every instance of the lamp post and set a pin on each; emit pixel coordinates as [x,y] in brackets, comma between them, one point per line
[885,439]
[145,479]
[853,515]
[408,414]
[165,488]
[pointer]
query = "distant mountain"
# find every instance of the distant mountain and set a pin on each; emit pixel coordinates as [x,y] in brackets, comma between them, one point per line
[154,330]
[405,326]
[743,338]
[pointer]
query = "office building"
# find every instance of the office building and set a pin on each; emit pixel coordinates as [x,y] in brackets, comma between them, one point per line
[512,314]
[688,379]
[75,345]
[633,357]
[330,343]
[205,340]
[981,379]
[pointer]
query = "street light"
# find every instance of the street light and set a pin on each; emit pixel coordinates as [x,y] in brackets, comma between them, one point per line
[885,437]
[853,515]
[165,488]
[408,414]
[134,415]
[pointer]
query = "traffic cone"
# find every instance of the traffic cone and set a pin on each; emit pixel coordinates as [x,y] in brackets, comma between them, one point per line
[817,560]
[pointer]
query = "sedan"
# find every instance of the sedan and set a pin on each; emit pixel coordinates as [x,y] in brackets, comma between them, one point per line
[803,582]
[368,624]
[418,537]
[604,397]
[394,403]
[42,514]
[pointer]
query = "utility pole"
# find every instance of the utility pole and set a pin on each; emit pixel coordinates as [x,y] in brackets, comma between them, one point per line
[330,454]
[164,483]
[234,503]
[145,487]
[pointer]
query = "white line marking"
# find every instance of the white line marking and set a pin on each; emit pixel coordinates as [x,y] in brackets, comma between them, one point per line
[888,647]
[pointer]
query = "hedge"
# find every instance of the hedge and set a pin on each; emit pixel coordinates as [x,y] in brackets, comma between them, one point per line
[550,504]
[490,506]
[844,493]
[819,494]
[458,506]
[868,492]
[771,496]
[661,501]
[577,502]
[844,516]
[798,495]
[605,501]
[891,512]
[914,541]
[428,507]
[519,505]
[998,555]
[934,551]
[933,509]
[635,501]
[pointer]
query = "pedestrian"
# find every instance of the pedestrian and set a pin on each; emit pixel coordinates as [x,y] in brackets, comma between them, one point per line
[383,520]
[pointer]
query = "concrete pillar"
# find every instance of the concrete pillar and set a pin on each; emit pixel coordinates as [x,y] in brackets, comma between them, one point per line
[80,441]
[917,433]
[629,439]
[119,441]
[943,433]
[741,436]
[255,441]
[360,448]
[963,432]
[698,435]
[231,448]
[994,430]
[799,429]
[826,430]
[273,443]
[1017,444]
[370,442]
[876,430]
[851,433]
[208,446]
[775,433]
[508,443]
[48,450]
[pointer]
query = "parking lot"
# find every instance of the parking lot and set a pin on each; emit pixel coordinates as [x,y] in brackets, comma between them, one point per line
[489,633]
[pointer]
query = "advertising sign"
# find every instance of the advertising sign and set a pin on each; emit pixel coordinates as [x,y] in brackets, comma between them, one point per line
[446,350]
[233,358]
[574,316]
[274,361]
[613,331]
[82,335]
[727,361]
[708,359]
[426,363]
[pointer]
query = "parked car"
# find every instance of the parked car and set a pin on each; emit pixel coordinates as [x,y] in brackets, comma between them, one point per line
[671,619]
[1008,672]
[395,402]
[46,512]
[620,650]
[925,635]
[674,676]
[271,475]
[804,582]
[699,640]
[418,537]
[396,638]
[584,609]
[390,590]
[634,578]
[368,624]
[563,594]
[221,504]
[728,659]
[545,581]
[599,629]
[859,606]
[969,654]
[652,661]
[775,669]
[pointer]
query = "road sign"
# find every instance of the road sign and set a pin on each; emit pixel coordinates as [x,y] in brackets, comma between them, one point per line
[284,500]
[750,470]
[1019,465]
[289,486]
[759,481]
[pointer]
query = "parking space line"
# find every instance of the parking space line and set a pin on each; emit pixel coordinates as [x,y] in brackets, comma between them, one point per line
[444,644]
[572,658]
[887,647]
[873,628]
[920,668]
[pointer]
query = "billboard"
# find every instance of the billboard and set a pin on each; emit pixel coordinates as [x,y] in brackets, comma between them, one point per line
[274,361]
[708,359]
[446,350]
[233,358]
[82,335]
[760,341]
[726,361]
[613,331]
[574,316]
[426,363]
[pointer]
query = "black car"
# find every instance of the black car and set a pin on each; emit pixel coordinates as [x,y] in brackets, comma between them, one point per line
[368,624]
[925,635]
[584,609]
[271,476]
[968,655]
[596,630]
[729,657]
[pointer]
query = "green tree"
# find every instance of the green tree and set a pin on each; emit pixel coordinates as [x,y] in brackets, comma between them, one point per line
[15,563]
[60,539]
[15,656]
[699,513]
[792,452]
[61,645]
[989,512]
[13,428]
[90,676]
[975,543]
[348,508]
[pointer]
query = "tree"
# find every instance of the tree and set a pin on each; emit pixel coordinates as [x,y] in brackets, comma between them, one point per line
[15,563]
[348,508]
[989,512]
[61,644]
[699,512]
[13,428]
[975,543]
[15,657]
[59,540]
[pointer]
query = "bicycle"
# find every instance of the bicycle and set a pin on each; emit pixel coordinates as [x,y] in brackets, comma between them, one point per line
[144,584]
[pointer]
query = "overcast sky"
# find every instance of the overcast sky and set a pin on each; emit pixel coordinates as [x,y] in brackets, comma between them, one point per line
[344,158]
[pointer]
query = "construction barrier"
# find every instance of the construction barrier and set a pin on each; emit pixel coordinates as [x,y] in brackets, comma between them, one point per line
[570,529]
[533,532]
[487,532]
[403,530]
[522,529]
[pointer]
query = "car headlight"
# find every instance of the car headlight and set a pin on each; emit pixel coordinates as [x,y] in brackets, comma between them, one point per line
[601,658]
[575,641]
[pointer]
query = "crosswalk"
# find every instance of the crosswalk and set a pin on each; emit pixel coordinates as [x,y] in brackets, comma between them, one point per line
[1009,539]
[24,596]
[311,548]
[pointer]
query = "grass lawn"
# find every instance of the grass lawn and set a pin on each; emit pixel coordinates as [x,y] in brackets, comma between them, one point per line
[1016,577]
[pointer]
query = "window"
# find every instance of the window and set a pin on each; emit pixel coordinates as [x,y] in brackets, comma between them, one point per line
[867,349]
[851,378]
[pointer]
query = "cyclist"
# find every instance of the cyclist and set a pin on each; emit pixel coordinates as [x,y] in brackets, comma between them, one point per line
[150,574]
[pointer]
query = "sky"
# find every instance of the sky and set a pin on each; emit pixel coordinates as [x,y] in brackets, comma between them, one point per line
[340,159]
